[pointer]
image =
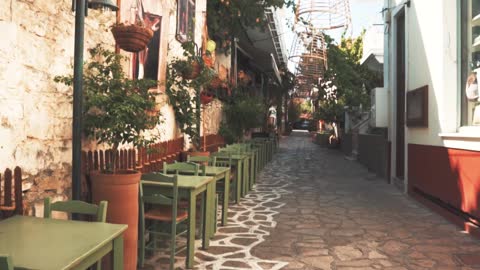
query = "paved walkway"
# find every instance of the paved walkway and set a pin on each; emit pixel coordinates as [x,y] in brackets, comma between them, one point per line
[339,216]
[313,209]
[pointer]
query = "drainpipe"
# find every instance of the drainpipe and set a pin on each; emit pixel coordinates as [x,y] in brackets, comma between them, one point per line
[386,75]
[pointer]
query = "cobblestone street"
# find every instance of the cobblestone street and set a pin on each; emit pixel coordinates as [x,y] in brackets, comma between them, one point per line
[313,209]
[339,216]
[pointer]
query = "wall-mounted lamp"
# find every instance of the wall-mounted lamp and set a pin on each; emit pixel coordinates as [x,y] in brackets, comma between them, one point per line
[102,5]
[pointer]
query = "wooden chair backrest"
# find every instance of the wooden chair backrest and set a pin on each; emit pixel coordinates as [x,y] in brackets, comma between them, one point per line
[150,194]
[99,212]
[204,160]
[6,262]
[179,167]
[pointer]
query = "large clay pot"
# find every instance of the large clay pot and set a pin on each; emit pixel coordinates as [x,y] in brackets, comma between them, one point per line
[121,192]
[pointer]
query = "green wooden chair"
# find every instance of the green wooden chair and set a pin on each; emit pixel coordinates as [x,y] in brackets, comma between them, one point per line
[99,213]
[179,167]
[192,169]
[163,212]
[224,159]
[203,160]
[6,262]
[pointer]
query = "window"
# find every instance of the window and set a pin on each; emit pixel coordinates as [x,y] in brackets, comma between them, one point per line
[470,60]
[185,20]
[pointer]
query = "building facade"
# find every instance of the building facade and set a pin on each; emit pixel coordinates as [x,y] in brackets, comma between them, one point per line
[430,51]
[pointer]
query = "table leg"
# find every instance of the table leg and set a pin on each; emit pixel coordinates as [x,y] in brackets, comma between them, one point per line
[246,177]
[118,253]
[208,218]
[226,193]
[191,230]
[252,172]
[213,207]
[238,181]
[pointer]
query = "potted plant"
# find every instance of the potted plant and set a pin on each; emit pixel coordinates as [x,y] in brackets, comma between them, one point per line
[184,93]
[131,37]
[116,112]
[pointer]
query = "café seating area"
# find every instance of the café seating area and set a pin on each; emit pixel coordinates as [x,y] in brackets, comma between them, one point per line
[181,195]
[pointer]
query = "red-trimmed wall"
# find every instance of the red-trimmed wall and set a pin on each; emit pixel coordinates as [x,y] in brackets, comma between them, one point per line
[451,175]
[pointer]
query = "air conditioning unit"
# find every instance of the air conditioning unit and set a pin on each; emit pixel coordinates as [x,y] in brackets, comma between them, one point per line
[379,110]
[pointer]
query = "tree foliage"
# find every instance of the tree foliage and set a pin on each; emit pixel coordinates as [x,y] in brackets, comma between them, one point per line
[227,18]
[346,82]
[116,109]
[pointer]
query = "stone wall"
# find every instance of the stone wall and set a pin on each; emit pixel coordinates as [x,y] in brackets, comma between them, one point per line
[36,113]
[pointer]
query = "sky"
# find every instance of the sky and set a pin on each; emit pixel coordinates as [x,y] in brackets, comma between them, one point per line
[363,12]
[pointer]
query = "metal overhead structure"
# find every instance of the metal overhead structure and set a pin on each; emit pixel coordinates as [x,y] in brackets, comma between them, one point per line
[323,14]
[272,26]
[309,49]
[309,53]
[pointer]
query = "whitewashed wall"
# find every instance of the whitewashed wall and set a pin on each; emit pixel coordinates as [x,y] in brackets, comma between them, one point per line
[431,60]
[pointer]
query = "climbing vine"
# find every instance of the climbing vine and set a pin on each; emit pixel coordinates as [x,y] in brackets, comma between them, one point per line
[183,91]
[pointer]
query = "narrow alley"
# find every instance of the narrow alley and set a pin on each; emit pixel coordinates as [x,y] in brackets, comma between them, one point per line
[314,209]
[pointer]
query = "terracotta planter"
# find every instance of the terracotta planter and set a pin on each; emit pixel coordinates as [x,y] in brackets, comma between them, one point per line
[121,192]
[132,38]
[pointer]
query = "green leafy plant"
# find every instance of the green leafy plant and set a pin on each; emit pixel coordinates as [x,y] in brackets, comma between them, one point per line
[346,82]
[242,113]
[116,109]
[184,92]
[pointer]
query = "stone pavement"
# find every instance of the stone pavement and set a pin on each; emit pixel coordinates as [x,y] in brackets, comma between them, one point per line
[313,209]
[339,216]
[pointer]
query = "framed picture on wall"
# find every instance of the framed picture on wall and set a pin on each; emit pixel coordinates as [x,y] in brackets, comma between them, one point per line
[185,20]
[417,107]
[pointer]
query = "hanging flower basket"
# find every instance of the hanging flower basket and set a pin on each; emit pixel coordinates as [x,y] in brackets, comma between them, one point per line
[208,60]
[216,83]
[206,97]
[194,72]
[132,38]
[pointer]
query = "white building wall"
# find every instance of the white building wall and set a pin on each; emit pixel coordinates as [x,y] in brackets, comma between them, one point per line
[425,37]
[431,51]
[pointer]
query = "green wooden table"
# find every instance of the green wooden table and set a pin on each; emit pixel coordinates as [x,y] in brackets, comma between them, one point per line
[47,244]
[190,186]
[248,167]
[220,173]
[242,167]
